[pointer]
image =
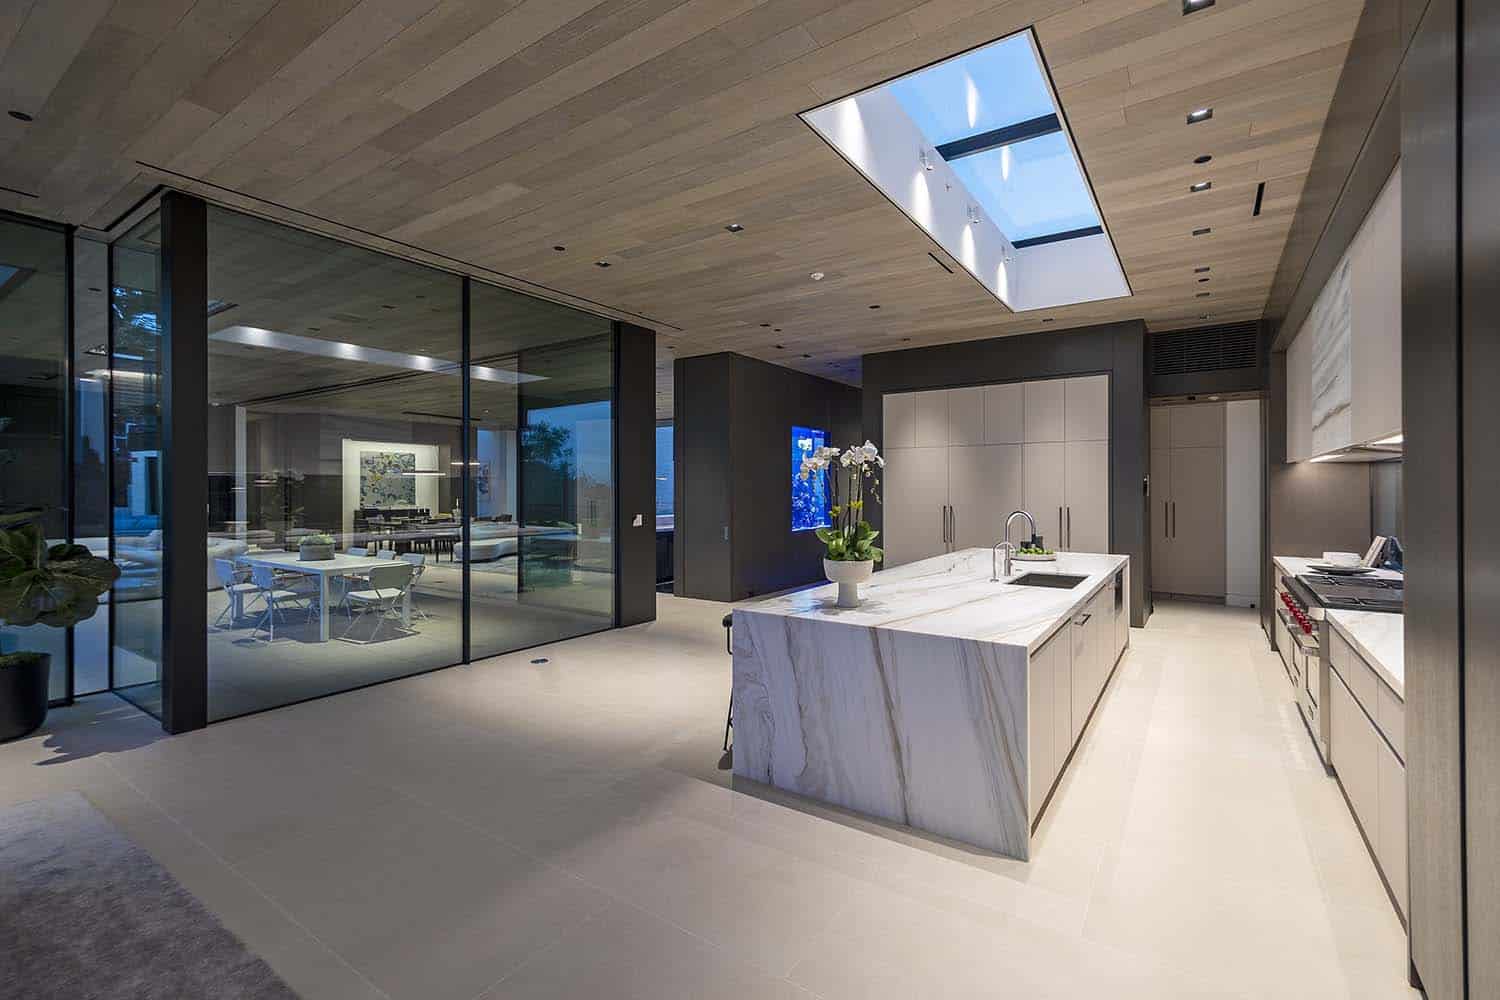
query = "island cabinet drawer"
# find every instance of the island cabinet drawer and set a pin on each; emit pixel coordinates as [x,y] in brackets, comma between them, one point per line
[1062,695]
[1041,756]
[1351,666]
[1390,712]
[1082,674]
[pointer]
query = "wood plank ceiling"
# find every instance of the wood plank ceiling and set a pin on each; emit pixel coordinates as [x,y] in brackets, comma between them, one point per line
[633,131]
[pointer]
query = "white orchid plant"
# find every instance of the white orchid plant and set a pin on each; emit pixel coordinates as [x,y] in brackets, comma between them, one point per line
[848,475]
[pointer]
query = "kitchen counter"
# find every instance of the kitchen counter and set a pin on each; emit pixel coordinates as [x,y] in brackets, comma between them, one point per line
[1380,639]
[1297,565]
[914,706]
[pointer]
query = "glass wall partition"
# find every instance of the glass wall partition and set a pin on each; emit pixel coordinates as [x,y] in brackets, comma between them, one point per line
[131,375]
[335,466]
[541,548]
[91,447]
[33,402]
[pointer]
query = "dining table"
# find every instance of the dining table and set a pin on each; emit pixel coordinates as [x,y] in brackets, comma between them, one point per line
[341,564]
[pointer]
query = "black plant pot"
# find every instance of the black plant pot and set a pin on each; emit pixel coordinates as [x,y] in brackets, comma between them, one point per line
[23,693]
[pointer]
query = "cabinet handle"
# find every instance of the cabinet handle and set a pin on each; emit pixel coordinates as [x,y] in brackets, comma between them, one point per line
[1070,527]
[1174,518]
[1166,530]
[944,513]
[1082,619]
[1062,541]
[952,526]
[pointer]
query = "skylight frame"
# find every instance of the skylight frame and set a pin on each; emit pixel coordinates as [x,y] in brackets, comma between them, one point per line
[986,140]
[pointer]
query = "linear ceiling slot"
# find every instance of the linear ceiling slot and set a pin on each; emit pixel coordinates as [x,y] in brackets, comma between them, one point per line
[1260,194]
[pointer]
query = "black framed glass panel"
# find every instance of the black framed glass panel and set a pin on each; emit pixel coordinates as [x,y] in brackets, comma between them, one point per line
[132,380]
[540,556]
[335,466]
[33,403]
[91,449]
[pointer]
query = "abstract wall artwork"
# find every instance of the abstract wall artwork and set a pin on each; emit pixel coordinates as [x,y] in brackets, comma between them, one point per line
[381,479]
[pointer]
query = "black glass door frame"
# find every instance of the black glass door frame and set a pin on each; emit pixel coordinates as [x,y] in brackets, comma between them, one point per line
[183,309]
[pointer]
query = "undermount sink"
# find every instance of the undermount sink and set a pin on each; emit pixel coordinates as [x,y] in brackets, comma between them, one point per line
[1057,581]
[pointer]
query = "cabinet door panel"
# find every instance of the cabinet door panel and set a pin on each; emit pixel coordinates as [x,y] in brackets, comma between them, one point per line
[1005,413]
[1160,502]
[930,418]
[915,490]
[1045,410]
[1161,427]
[966,416]
[1082,670]
[1086,501]
[1039,758]
[1062,694]
[1045,476]
[1198,521]
[1355,757]
[900,430]
[1391,781]
[1199,425]
[1086,408]
[985,483]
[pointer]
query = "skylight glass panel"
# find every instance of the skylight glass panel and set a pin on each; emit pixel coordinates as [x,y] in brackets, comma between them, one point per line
[989,88]
[1031,188]
[976,151]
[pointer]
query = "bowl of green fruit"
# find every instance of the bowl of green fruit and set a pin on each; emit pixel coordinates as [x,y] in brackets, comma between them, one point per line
[1034,553]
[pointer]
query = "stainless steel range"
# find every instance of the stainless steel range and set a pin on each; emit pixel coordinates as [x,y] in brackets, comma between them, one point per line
[1306,598]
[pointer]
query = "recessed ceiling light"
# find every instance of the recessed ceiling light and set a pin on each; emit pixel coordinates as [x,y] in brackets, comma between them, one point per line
[314,329]
[1201,270]
[93,289]
[1194,6]
[807,355]
[1046,319]
[766,325]
[1202,280]
[905,340]
[781,347]
[20,116]
[1200,186]
[383,306]
[816,276]
[874,307]
[1213,399]
[1202,159]
[735,227]
[1204,315]
[601,263]
[776,329]
[1200,115]
[1204,295]
[559,248]
[1203,232]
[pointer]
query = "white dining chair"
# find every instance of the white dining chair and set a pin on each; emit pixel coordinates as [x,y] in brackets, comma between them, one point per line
[418,562]
[276,597]
[381,597]
[236,584]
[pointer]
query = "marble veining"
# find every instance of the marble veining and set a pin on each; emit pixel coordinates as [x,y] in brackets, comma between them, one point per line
[913,707]
[1380,638]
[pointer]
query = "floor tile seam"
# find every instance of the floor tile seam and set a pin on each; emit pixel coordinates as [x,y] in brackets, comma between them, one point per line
[254,886]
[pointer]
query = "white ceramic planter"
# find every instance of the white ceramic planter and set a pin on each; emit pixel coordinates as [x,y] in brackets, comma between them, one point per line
[848,575]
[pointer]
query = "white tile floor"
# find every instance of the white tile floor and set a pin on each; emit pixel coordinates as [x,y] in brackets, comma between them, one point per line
[511,830]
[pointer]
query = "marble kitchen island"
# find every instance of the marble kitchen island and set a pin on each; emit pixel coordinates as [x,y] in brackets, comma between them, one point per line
[945,702]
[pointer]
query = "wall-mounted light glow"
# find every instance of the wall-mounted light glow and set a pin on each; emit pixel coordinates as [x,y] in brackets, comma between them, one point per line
[925,160]
[971,100]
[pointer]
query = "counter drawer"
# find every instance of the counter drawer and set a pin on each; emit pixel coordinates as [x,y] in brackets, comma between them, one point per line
[1390,712]
[1361,680]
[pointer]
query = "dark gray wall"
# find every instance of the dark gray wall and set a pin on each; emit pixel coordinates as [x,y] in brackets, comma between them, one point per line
[703,487]
[733,421]
[1432,412]
[635,474]
[1118,349]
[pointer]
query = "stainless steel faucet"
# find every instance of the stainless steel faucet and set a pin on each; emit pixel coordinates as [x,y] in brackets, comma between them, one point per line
[1007,545]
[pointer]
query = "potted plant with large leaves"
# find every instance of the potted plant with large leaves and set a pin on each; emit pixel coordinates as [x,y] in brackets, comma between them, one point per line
[850,552]
[40,584]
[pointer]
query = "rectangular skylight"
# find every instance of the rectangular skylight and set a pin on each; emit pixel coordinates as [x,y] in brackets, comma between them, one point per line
[976,151]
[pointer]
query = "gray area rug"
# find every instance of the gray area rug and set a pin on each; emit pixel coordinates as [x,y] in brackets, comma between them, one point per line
[85,912]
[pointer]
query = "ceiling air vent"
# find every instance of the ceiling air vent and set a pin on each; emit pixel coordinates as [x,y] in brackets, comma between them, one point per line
[1205,349]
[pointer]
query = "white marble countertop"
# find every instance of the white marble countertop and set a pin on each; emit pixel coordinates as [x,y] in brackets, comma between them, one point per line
[951,595]
[1380,638]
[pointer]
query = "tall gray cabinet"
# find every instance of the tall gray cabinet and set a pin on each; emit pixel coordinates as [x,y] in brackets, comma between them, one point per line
[1187,500]
[959,460]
